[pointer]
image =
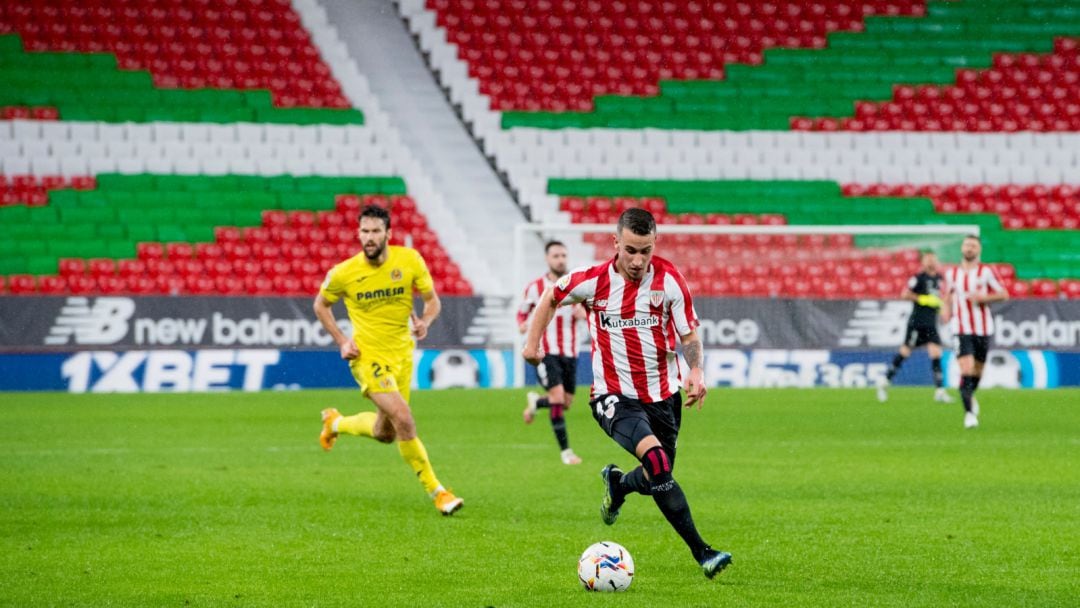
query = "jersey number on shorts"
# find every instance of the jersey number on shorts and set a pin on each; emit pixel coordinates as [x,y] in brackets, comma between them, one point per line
[377,370]
[606,408]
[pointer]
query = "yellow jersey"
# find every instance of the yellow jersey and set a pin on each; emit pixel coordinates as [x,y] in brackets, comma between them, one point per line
[379,299]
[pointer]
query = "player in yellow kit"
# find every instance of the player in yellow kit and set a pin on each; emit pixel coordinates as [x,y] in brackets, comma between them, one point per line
[378,287]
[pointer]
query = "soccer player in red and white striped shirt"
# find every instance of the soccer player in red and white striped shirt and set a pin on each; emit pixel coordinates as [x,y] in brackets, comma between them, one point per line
[637,305]
[973,286]
[558,370]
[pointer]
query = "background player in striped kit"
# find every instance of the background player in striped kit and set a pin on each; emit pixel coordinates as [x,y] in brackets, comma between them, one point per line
[924,290]
[637,305]
[558,369]
[973,286]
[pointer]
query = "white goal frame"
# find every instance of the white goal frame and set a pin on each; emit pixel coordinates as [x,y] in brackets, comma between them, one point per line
[539,229]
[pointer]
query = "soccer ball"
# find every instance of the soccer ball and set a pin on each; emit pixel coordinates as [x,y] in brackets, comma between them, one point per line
[606,566]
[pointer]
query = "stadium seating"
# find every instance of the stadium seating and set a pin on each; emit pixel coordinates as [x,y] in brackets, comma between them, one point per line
[1021,92]
[651,64]
[223,235]
[125,126]
[559,55]
[1033,263]
[700,95]
[730,143]
[180,60]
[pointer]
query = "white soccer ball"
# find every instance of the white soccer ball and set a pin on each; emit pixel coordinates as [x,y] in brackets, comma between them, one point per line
[606,566]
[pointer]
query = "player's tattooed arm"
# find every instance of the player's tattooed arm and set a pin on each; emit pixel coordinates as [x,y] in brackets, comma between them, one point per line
[692,353]
[695,382]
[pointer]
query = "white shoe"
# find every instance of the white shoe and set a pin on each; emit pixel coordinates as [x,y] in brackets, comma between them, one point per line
[971,420]
[530,410]
[941,396]
[882,395]
[569,457]
[974,405]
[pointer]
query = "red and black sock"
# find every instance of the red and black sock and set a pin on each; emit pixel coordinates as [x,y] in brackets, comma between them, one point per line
[633,482]
[669,497]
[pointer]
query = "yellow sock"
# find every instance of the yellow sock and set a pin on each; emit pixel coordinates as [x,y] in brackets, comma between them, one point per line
[414,453]
[362,424]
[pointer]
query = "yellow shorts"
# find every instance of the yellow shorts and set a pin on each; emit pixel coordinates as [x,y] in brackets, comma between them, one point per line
[383,373]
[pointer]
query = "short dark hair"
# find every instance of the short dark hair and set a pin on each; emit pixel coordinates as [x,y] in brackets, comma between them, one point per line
[377,212]
[550,244]
[972,236]
[638,220]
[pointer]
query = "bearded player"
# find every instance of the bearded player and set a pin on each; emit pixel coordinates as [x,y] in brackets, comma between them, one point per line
[973,286]
[377,286]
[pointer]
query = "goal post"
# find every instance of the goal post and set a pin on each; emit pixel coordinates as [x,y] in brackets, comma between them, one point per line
[720,260]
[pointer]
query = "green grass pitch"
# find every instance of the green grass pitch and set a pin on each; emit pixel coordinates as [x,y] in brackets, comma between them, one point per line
[825,498]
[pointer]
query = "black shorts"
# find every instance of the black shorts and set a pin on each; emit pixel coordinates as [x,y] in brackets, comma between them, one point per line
[628,421]
[555,370]
[917,336]
[976,346]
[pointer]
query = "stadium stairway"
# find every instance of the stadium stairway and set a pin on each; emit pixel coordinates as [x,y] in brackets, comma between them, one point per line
[428,126]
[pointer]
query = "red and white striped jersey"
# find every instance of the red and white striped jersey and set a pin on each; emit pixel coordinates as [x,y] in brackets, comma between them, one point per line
[633,327]
[560,337]
[969,318]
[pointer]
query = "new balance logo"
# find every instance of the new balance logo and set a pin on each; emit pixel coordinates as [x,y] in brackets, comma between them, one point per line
[104,322]
[877,324]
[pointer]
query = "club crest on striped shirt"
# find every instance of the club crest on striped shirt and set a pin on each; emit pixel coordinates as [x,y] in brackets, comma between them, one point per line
[656,298]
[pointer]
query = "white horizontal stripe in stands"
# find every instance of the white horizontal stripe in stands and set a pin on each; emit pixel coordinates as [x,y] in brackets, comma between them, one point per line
[87,148]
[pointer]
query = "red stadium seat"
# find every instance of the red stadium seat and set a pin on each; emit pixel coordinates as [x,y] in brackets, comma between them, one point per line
[82,284]
[98,267]
[1069,288]
[1044,288]
[229,285]
[52,285]
[178,251]
[140,285]
[209,251]
[146,251]
[169,284]
[348,203]
[1018,289]
[69,266]
[111,284]
[275,218]
[21,284]
[227,234]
